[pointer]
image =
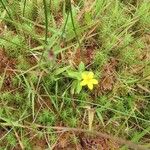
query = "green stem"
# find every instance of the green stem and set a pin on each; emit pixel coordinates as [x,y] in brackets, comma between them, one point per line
[6,9]
[50,4]
[72,20]
[46,27]
[46,21]
[24,6]
[61,37]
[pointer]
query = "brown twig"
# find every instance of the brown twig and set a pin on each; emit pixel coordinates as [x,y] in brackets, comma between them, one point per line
[18,138]
[121,141]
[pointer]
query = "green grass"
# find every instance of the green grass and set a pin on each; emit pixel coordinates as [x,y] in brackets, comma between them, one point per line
[46,40]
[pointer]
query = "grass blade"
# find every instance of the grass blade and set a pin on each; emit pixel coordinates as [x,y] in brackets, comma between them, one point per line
[72,20]
[3,4]
[24,7]
[46,20]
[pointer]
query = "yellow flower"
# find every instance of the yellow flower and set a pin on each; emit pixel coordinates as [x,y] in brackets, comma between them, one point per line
[88,79]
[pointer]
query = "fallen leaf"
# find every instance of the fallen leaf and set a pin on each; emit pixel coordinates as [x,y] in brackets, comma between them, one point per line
[91,113]
[108,77]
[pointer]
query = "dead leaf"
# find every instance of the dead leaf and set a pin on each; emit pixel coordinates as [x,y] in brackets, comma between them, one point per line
[64,140]
[107,83]
[91,113]
[97,143]
[108,78]
[143,88]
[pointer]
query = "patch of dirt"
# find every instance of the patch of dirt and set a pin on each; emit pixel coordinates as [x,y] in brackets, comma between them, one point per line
[32,60]
[64,142]
[43,103]
[39,30]
[58,18]
[108,77]
[9,64]
[97,143]
[89,55]
[7,85]
[6,62]
[84,142]
[39,144]
[86,55]
[2,133]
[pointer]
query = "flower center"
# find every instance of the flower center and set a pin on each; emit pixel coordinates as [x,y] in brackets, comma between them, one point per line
[88,79]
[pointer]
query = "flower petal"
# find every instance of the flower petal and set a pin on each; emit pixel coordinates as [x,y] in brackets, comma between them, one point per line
[94,81]
[83,83]
[90,86]
[90,75]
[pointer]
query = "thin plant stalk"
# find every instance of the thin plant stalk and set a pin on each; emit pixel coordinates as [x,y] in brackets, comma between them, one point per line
[50,4]
[46,21]
[61,37]
[46,27]
[72,20]
[3,4]
[73,24]
[24,7]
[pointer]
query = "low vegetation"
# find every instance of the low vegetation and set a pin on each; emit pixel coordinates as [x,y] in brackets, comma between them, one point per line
[68,68]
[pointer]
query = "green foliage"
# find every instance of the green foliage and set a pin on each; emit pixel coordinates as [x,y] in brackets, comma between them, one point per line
[26,143]
[100,58]
[6,96]
[55,6]
[70,33]
[47,92]
[31,10]
[72,122]
[22,63]
[76,75]
[11,139]
[130,56]
[15,10]
[47,117]
[13,44]
[143,13]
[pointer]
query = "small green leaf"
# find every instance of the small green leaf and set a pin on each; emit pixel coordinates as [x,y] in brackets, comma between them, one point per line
[81,66]
[73,86]
[61,70]
[74,74]
[78,88]
[138,135]
[100,117]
